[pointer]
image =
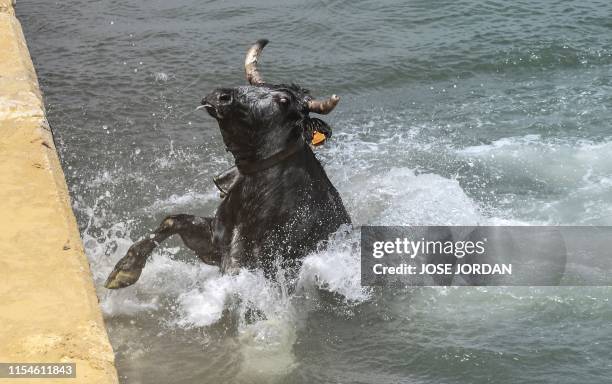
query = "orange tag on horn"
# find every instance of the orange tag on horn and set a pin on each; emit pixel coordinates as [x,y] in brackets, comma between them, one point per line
[318,138]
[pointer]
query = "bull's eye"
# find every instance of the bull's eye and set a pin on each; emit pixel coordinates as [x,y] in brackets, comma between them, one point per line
[225,97]
[283,100]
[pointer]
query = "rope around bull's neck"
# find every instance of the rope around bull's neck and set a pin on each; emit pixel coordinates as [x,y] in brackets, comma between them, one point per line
[247,167]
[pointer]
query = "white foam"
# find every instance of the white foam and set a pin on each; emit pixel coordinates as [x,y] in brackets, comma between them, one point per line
[161,76]
[400,196]
[204,304]
[336,268]
[574,175]
[190,198]
[560,162]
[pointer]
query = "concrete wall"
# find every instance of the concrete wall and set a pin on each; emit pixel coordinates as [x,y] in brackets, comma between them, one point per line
[48,306]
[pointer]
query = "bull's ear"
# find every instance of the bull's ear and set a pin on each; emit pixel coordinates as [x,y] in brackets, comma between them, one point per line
[320,126]
[312,125]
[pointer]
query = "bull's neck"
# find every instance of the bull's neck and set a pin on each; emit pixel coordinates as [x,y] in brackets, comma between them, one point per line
[267,156]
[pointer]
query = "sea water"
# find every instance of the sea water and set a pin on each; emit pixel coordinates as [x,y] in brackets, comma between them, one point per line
[452,112]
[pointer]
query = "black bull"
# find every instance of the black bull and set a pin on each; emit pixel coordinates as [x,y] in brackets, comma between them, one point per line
[279,204]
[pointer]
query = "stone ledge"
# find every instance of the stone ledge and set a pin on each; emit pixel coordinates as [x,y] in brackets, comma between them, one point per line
[49,311]
[6,6]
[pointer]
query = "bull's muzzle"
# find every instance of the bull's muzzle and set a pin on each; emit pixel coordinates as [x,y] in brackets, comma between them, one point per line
[216,101]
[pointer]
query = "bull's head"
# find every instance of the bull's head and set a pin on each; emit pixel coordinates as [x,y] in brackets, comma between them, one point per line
[258,120]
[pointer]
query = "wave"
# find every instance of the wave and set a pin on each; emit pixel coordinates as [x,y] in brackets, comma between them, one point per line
[564,181]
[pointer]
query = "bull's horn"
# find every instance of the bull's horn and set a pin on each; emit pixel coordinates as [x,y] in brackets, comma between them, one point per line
[323,107]
[250,62]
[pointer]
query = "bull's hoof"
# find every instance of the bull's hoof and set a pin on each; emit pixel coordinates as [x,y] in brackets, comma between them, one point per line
[121,279]
[126,272]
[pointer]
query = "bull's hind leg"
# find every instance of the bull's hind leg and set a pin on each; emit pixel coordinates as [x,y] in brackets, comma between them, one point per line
[196,233]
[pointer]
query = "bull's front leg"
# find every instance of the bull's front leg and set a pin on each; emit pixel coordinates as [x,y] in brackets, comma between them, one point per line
[196,233]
